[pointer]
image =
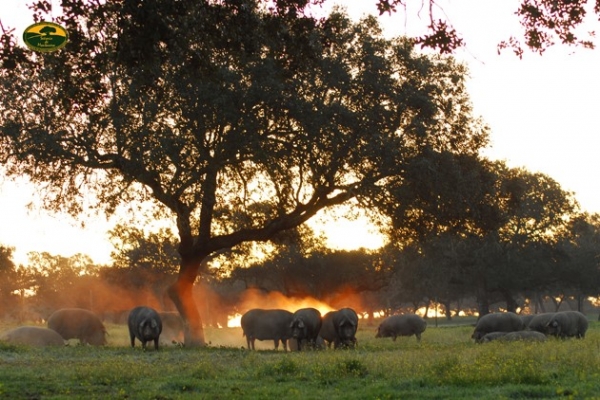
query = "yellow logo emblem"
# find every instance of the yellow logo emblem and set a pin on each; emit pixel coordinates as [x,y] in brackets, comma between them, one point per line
[45,36]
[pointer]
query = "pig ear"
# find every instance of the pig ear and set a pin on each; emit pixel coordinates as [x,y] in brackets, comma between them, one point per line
[300,324]
[153,323]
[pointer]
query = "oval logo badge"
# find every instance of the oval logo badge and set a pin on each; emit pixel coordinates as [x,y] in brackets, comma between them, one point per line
[45,36]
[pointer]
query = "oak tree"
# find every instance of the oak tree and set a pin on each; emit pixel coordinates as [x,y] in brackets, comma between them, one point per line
[478,223]
[544,23]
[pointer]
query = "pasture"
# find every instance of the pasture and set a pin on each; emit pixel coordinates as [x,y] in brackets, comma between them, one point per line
[446,364]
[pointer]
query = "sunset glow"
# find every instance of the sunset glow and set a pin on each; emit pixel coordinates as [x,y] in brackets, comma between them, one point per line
[234,321]
[274,300]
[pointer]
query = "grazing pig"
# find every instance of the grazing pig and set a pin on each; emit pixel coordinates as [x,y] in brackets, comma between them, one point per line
[567,324]
[32,336]
[327,333]
[498,322]
[532,336]
[173,328]
[345,323]
[539,321]
[77,323]
[144,324]
[489,337]
[306,324]
[401,325]
[267,325]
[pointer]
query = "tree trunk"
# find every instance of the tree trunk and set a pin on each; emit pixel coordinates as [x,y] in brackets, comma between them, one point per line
[539,304]
[580,301]
[557,303]
[511,304]
[181,293]
[458,307]
[481,295]
[427,304]
[447,309]
[483,306]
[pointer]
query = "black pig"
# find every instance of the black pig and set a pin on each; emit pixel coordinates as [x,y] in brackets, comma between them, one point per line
[306,326]
[145,324]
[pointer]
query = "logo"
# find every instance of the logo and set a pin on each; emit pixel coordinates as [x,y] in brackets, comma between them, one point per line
[45,37]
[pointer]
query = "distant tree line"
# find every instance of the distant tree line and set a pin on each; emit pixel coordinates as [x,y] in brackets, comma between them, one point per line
[470,274]
[501,238]
[143,265]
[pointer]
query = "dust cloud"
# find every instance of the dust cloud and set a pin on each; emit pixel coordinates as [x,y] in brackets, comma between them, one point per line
[232,335]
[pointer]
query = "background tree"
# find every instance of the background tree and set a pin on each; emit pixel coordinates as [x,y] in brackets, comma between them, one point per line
[8,280]
[497,213]
[143,260]
[434,272]
[578,273]
[62,281]
[323,274]
[25,284]
[537,212]
[236,127]
[544,22]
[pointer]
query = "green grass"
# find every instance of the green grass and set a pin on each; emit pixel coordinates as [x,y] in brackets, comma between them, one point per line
[446,364]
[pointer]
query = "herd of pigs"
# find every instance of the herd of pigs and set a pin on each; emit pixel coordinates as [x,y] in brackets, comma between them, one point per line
[144,323]
[305,328]
[510,326]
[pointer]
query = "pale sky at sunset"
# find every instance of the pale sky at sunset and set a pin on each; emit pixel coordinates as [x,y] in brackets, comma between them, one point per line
[544,113]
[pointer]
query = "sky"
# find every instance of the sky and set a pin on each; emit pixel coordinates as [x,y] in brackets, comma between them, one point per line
[543,112]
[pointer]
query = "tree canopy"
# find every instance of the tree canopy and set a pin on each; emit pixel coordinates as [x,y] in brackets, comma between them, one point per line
[544,23]
[236,122]
[479,225]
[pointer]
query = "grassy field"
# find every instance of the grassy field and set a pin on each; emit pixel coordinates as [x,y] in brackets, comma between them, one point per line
[445,365]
